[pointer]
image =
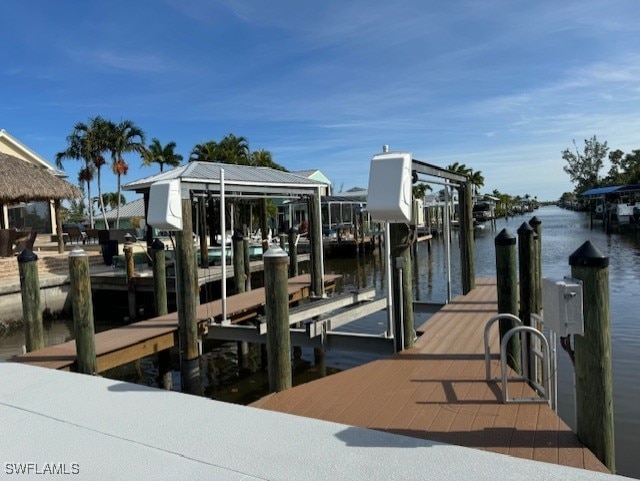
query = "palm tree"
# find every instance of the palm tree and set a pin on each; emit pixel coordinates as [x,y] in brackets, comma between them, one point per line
[263,158]
[206,152]
[234,150]
[476,179]
[124,137]
[87,142]
[111,199]
[157,154]
[86,176]
[458,168]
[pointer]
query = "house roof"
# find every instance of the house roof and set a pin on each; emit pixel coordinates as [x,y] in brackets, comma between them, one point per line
[23,181]
[239,180]
[131,209]
[21,150]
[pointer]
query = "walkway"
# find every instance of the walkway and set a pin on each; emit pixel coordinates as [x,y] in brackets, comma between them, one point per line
[134,341]
[437,391]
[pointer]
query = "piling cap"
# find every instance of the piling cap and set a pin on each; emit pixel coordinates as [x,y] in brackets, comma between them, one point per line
[27,255]
[157,244]
[275,251]
[77,252]
[525,229]
[535,221]
[294,230]
[128,238]
[237,235]
[588,255]
[505,238]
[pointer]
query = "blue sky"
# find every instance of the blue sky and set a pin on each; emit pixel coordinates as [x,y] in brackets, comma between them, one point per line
[501,86]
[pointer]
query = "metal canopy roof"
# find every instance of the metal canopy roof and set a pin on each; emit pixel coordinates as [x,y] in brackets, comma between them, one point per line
[601,190]
[239,180]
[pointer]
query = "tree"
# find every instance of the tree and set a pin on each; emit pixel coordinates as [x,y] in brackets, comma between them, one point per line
[87,142]
[155,153]
[206,152]
[234,150]
[124,137]
[584,168]
[458,168]
[111,199]
[263,158]
[476,179]
[420,190]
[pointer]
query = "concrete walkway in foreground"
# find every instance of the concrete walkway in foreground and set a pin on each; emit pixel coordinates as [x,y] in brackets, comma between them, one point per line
[105,429]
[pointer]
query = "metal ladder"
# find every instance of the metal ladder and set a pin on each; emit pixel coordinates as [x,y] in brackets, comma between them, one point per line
[545,388]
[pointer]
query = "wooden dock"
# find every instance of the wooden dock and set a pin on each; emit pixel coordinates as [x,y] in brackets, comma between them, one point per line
[438,391]
[137,340]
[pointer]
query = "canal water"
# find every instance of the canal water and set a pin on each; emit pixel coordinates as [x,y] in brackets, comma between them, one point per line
[563,232]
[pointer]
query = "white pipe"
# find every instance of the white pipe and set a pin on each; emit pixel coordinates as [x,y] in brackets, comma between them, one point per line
[321,246]
[223,247]
[387,256]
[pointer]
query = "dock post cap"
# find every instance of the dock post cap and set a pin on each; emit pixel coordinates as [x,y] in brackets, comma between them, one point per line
[157,244]
[237,235]
[27,255]
[505,238]
[77,252]
[535,221]
[525,229]
[275,251]
[128,238]
[588,255]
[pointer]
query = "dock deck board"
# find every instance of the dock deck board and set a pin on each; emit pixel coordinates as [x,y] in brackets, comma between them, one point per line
[124,344]
[438,391]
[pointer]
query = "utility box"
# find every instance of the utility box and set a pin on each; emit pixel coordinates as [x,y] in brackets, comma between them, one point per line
[390,187]
[562,305]
[165,205]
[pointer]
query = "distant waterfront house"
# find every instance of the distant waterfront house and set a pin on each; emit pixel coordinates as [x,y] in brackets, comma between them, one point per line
[131,216]
[27,199]
[315,174]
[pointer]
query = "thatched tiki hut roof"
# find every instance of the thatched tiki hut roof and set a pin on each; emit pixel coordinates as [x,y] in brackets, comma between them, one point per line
[22,181]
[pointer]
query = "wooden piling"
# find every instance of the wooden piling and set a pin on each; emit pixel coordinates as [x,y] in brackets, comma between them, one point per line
[159,277]
[238,261]
[402,279]
[283,237]
[315,236]
[527,284]
[130,270]
[186,293]
[59,234]
[293,252]
[247,265]
[82,305]
[536,224]
[30,289]
[467,256]
[594,391]
[507,287]
[276,264]
[160,298]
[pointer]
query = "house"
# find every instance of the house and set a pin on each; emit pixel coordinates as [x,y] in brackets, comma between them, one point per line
[315,174]
[131,216]
[35,213]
